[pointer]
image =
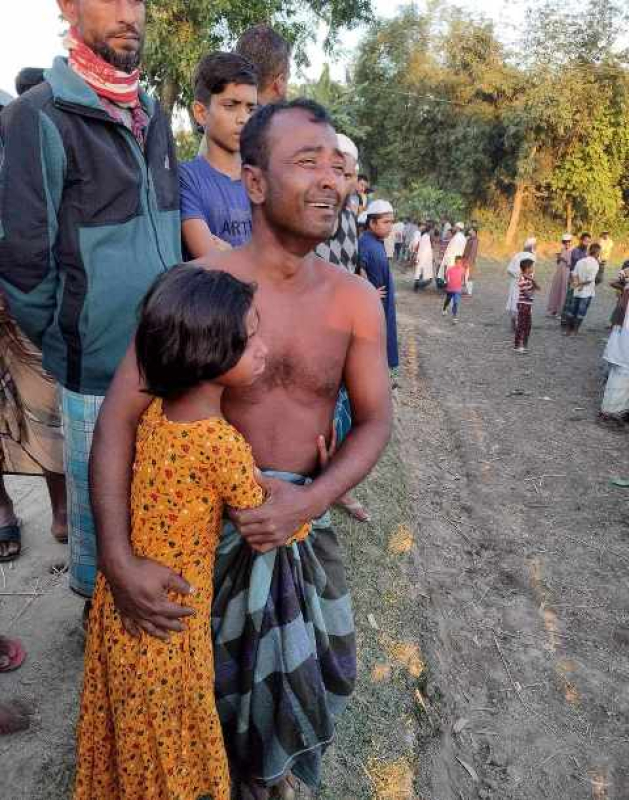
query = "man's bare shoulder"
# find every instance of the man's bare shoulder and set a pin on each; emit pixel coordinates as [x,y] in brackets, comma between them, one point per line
[355,295]
[226,261]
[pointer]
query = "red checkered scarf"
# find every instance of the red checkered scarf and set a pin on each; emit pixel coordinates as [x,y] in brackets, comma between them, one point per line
[119,87]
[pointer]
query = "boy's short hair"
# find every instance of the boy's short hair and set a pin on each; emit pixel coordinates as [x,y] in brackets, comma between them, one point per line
[526,263]
[458,258]
[216,71]
[595,249]
[193,328]
[267,50]
[585,234]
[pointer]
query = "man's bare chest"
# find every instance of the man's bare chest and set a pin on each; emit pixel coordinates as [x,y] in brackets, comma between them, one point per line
[307,348]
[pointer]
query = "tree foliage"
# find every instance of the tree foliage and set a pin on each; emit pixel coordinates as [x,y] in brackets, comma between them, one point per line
[180,32]
[436,100]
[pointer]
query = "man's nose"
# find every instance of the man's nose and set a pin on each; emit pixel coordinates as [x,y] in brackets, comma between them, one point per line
[127,11]
[329,178]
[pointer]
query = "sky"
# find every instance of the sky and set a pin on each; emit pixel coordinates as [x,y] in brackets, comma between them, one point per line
[31,34]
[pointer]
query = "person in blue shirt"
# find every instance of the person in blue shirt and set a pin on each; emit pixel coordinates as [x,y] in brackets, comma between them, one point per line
[215,208]
[374,264]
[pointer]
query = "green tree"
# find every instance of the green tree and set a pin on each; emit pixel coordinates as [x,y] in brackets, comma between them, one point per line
[180,32]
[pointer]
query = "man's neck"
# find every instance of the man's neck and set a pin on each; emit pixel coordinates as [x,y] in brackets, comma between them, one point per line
[280,257]
[223,160]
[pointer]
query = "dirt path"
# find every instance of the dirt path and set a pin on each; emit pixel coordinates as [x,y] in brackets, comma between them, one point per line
[522,545]
[491,592]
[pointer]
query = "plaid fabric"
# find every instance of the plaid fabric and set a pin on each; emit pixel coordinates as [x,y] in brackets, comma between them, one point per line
[523,325]
[284,649]
[342,248]
[79,414]
[342,416]
[565,312]
[31,439]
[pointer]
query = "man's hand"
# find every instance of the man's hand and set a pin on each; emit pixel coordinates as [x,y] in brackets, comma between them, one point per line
[382,292]
[286,508]
[140,590]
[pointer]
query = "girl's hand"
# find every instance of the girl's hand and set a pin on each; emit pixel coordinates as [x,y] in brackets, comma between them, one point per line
[326,452]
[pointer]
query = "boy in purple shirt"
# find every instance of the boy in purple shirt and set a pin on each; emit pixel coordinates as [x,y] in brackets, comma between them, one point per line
[215,208]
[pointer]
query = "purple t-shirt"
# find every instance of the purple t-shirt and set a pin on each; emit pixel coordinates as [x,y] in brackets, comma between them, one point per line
[214,197]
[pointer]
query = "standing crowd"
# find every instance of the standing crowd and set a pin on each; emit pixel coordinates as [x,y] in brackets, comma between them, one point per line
[194,421]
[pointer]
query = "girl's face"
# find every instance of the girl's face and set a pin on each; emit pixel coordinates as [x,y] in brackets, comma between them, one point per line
[253,361]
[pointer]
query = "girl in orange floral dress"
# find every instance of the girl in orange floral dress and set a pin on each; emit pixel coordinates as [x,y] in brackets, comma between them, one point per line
[149,729]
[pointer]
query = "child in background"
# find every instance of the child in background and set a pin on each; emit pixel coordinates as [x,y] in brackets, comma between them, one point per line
[149,727]
[454,287]
[584,288]
[526,286]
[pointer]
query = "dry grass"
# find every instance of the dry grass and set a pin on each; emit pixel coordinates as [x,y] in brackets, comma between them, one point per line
[379,737]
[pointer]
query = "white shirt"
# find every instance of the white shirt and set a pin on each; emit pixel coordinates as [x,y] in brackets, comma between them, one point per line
[398,232]
[585,270]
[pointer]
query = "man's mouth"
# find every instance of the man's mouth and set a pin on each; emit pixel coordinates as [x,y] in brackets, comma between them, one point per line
[326,205]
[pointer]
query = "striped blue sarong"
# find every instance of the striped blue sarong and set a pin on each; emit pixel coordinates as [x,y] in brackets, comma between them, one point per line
[79,414]
[342,416]
[284,650]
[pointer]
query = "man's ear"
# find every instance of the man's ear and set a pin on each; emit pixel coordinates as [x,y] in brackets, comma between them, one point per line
[255,183]
[69,10]
[280,86]
[199,112]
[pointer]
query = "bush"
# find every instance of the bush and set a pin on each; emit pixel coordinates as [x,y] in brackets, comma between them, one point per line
[187,144]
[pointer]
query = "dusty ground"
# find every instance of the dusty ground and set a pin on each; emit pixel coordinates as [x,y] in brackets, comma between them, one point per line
[491,592]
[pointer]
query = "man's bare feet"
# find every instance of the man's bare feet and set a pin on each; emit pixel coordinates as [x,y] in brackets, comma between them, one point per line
[354,507]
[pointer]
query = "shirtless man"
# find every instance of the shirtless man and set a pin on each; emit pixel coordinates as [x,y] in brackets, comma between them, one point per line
[321,325]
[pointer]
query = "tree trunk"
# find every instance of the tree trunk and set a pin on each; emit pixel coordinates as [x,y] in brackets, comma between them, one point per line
[518,199]
[569,216]
[168,96]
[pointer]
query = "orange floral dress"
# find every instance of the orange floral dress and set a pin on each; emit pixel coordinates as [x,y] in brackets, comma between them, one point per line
[149,728]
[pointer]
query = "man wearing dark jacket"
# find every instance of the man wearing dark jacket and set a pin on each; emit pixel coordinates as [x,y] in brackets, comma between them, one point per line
[89,216]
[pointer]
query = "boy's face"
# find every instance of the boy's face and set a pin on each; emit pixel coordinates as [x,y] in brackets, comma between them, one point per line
[381,227]
[227,114]
[528,272]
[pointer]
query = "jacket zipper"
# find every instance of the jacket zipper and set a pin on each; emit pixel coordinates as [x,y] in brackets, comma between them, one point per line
[103,116]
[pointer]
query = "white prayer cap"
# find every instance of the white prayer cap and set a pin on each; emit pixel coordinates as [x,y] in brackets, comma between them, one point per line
[460,226]
[346,146]
[530,242]
[379,207]
[567,237]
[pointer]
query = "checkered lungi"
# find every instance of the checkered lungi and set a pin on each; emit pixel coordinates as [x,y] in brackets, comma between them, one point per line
[79,414]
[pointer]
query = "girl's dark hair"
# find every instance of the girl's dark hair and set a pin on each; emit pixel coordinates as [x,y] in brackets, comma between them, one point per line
[192,328]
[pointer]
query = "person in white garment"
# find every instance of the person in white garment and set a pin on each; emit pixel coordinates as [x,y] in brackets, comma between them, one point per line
[455,248]
[423,259]
[513,270]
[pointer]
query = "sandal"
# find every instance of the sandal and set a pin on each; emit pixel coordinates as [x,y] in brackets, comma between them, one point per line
[12,654]
[11,534]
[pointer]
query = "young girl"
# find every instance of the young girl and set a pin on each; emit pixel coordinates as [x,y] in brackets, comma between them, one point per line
[149,728]
[454,287]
